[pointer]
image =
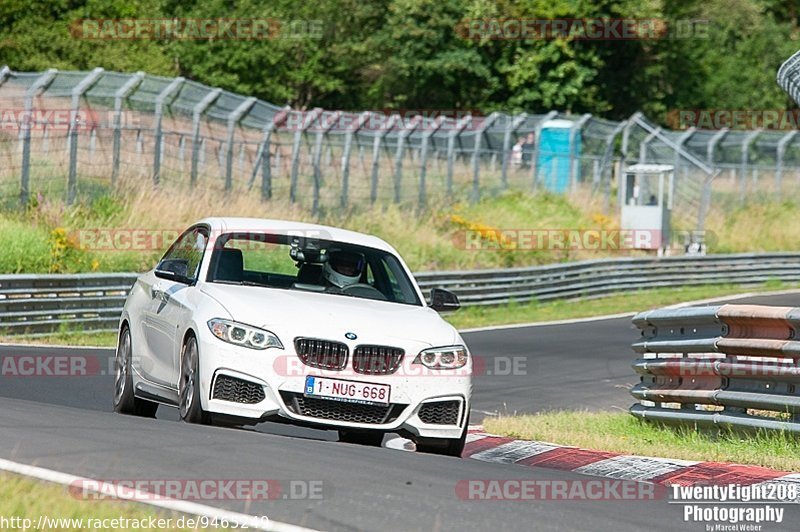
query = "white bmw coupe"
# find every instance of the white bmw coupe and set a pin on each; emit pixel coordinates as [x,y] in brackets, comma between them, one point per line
[249,320]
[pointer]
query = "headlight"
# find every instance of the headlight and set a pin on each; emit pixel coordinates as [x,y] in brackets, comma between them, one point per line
[244,335]
[452,357]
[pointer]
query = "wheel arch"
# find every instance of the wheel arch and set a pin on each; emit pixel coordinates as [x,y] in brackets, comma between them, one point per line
[189,332]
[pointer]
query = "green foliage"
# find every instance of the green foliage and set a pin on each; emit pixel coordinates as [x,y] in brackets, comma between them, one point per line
[26,249]
[382,54]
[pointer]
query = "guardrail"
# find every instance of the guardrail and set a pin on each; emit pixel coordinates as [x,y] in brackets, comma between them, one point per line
[729,366]
[597,278]
[39,304]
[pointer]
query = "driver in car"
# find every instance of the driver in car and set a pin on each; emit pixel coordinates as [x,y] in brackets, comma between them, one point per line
[343,268]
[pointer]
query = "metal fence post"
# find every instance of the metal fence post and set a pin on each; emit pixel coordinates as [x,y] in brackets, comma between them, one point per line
[197,114]
[41,83]
[607,156]
[689,156]
[376,154]
[233,119]
[321,132]
[423,158]
[512,124]
[298,137]
[451,149]
[626,138]
[476,153]
[4,73]
[348,146]
[159,113]
[77,91]
[683,139]
[705,200]
[537,147]
[712,145]
[745,160]
[781,152]
[643,146]
[119,96]
[679,143]
[264,155]
[573,133]
[398,156]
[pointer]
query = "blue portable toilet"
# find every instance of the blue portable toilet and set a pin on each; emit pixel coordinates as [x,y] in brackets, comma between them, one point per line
[552,168]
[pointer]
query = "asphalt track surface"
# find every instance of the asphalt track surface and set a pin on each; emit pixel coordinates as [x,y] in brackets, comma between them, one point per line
[66,424]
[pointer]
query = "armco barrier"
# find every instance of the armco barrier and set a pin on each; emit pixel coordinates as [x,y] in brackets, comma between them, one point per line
[597,278]
[732,366]
[38,304]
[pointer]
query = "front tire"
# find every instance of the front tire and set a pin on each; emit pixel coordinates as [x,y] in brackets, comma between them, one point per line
[190,407]
[125,402]
[445,447]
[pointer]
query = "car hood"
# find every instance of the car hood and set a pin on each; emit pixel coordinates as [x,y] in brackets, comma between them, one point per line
[292,313]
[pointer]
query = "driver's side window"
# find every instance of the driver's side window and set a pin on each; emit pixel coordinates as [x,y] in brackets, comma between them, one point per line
[186,254]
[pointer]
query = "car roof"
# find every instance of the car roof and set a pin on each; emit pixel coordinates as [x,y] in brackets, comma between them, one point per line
[325,232]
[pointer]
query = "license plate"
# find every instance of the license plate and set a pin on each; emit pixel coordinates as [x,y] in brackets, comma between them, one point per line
[348,391]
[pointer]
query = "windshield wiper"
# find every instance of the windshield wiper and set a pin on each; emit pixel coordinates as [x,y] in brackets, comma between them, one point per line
[240,283]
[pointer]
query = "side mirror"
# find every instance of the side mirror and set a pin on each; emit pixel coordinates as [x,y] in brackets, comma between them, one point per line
[174,270]
[444,300]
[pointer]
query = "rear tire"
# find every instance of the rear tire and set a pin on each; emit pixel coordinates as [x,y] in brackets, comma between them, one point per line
[189,406]
[371,439]
[444,446]
[125,402]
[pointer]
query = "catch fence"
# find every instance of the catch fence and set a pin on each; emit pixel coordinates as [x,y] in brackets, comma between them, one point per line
[70,133]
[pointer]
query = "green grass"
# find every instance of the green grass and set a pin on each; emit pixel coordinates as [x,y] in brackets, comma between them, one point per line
[73,338]
[632,301]
[25,498]
[620,432]
[46,235]
[26,248]
[766,225]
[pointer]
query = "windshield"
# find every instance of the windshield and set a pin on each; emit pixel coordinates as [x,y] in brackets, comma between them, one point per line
[311,265]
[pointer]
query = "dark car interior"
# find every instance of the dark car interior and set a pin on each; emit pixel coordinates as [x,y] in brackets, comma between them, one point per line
[230,263]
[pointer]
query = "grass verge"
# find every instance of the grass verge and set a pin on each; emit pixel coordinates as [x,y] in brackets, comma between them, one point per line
[71,338]
[24,498]
[633,301]
[130,229]
[620,432]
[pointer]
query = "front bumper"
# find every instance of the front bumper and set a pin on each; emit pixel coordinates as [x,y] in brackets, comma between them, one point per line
[259,385]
